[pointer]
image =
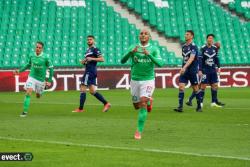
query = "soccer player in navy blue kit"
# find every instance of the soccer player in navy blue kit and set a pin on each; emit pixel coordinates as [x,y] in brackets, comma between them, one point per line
[189,70]
[92,56]
[209,71]
[210,65]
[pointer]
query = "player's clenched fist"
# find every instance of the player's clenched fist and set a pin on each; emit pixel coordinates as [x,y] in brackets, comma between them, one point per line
[135,49]
[84,61]
[145,51]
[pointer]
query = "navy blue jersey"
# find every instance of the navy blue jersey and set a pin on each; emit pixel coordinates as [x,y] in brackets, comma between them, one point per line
[209,59]
[91,66]
[187,50]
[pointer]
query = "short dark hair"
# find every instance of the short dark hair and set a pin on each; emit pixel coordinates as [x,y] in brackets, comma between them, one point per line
[41,43]
[191,32]
[210,35]
[91,36]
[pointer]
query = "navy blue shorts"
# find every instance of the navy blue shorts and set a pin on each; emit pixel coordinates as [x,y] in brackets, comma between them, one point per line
[192,77]
[209,78]
[88,79]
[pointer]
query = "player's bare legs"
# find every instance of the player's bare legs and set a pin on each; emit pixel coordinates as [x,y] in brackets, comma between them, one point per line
[39,94]
[136,105]
[149,104]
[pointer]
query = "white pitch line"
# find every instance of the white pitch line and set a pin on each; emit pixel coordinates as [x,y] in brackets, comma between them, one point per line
[94,104]
[59,103]
[126,148]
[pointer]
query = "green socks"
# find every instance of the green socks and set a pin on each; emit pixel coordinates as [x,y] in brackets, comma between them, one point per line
[26,103]
[141,119]
[148,103]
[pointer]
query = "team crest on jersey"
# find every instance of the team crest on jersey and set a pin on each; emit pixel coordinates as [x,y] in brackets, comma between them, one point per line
[204,76]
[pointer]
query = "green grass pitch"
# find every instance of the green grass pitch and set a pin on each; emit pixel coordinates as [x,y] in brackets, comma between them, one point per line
[217,137]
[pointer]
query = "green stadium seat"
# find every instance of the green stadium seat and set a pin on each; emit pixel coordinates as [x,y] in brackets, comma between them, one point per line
[203,16]
[64,29]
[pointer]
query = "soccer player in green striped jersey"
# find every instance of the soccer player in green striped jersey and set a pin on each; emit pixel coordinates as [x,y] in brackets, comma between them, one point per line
[38,62]
[144,57]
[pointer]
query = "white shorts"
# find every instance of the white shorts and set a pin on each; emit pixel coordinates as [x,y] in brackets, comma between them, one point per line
[141,89]
[36,85]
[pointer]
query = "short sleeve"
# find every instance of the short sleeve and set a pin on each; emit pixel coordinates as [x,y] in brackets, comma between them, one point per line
[194,51]
[97,52]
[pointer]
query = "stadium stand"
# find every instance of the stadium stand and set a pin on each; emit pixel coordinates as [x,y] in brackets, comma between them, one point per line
[64,25]
[241,7]
[203,16]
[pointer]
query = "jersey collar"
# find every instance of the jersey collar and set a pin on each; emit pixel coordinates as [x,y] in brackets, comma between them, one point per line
[39,55]
[209,46]
[145,45]
[93,46]
[188,44]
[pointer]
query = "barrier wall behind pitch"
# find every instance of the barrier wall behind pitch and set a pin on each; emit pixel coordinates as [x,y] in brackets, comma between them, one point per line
[119,79]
